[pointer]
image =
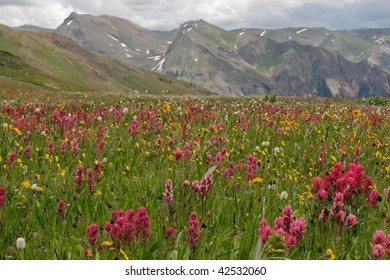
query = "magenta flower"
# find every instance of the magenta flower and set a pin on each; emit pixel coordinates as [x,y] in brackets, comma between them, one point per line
[50,147]
[61,209]
[193,231]
[133,127]
[2,200]
[379,237]
[179,154]
[91,180]
[324,215]
[27,151]
[288,212]
[63,146]
[351,221]
[2,191]
[101,146]
[107,226]
[298,227]
[86,252]
[142,223]
[92,232]
[168,192]
[322,194]
[11,157]
[378,251]
[290,240]
[278,223]
[170,232]
[374,197]
[75,146]
[251,167]
[264,231]
[79,175]
[204,185]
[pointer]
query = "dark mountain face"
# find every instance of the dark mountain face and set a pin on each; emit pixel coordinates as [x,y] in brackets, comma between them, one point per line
[297,62]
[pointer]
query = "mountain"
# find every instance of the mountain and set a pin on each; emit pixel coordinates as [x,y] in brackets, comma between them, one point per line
[117,38]
[36,60]
[290,61]
[246,64]
[355,45]
[30,27]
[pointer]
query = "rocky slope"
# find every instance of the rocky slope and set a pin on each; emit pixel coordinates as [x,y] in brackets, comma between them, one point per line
[293,61]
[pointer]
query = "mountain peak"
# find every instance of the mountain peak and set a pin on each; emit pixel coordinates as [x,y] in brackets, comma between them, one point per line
[299,60]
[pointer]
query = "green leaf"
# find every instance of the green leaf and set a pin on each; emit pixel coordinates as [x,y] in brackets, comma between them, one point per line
[255,253]
[179,238]
[211,170]
[173,255]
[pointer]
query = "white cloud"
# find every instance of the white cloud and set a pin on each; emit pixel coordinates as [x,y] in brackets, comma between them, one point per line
[169,14]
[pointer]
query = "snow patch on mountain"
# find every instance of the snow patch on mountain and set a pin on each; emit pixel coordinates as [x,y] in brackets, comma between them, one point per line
[112,37]
[158,67]
[302,30]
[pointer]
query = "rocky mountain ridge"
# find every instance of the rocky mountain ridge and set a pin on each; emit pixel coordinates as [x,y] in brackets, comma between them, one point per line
[292,61]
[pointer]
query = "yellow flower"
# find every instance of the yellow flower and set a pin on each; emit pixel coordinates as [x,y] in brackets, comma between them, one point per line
[330,254]
[63,172]
[17,130]
[26,184]
[256,180]
[97,193]
[107,243]
[124,255]
[167,108]
[89,254]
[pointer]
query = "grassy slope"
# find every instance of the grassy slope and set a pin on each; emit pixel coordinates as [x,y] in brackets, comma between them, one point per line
[39,60]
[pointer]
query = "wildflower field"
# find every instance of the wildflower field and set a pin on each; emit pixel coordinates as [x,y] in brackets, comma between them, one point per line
[119,176]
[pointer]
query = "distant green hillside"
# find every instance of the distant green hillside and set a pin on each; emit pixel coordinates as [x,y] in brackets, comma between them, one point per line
[43,60]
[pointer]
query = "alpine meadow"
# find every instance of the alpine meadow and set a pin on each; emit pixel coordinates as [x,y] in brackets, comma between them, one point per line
[127,176]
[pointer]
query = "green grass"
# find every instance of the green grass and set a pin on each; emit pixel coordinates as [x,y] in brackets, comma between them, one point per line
[137,167]
[31,60]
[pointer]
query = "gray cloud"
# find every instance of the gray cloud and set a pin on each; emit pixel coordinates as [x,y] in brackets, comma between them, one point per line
[228,14]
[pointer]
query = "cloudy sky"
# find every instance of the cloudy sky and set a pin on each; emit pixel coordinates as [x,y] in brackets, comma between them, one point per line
[228,14]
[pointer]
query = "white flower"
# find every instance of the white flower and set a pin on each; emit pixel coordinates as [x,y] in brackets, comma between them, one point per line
[43,133]
[257,148]
[5,125]
[34,187]
[265,143]
[20,243]
[276,150]
[104,160]
[284,195]
[37,110]
[271,186]
[125,110]
[99,119]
